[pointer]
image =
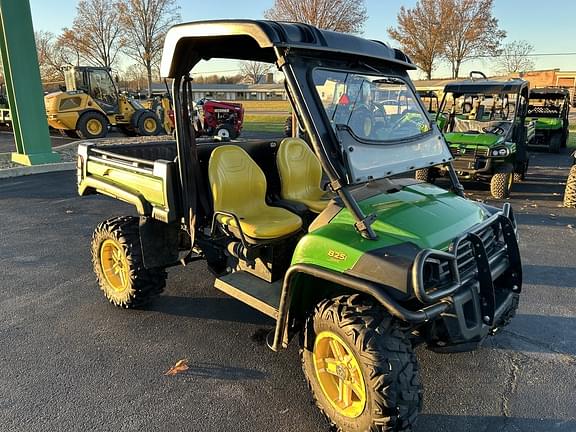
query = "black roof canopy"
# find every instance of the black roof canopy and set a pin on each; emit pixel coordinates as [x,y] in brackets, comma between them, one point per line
[550,93]
[486,86]
[187,44]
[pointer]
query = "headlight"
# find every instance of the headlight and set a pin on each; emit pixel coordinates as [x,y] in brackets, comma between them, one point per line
[500,152]
[437,274]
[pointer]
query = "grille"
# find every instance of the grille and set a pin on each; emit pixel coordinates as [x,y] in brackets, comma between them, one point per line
[478,152]
[493,241]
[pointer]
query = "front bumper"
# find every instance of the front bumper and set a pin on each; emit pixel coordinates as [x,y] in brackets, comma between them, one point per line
[487,274]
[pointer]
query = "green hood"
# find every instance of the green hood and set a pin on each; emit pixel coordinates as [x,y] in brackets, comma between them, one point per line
[546,122]
[468,140]
[422,214]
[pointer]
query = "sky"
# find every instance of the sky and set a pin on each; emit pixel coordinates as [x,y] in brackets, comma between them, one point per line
[522,19]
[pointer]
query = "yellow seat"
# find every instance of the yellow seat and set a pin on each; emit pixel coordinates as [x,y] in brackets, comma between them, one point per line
[301,174]
[239,186]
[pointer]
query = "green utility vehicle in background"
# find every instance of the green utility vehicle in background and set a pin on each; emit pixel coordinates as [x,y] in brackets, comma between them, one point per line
[363,272]
[549,108]
[485,129]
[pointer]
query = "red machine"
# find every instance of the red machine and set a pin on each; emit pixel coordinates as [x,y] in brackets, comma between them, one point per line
[216,118]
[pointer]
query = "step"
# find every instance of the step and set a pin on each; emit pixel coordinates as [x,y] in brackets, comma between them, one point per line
[255,292]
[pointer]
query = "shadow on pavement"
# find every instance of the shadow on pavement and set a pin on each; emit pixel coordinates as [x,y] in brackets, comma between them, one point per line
[539,334]
[450,423]
[550,275]
[212,308]
[228,373]
[545,220]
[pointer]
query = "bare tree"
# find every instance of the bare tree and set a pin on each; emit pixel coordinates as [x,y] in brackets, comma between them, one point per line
[420,33]
[96,33]
[514,57]
[135,76]
[253,71]
[471,30]
[347,16]
[50,56]
[146,23]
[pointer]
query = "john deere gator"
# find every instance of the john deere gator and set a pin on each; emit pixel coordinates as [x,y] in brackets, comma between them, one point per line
[364,269]
[484,125]
[549,108]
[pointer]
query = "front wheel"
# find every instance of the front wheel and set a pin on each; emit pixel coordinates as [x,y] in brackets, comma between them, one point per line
[119,266]
[92,125]
[360,367]
[501,182]
[148,124]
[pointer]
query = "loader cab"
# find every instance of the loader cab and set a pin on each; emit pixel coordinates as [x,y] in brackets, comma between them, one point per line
[96,82]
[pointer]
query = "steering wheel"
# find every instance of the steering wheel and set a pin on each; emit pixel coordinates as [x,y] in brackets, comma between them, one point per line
[362,121]
[494,130]
[403,118]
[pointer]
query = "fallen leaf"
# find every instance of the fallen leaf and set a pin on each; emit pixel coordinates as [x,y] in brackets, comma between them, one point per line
[179,367]
[570,226]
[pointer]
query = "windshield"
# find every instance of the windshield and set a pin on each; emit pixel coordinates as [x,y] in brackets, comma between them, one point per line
[373,108]
[381,128]
[480,113]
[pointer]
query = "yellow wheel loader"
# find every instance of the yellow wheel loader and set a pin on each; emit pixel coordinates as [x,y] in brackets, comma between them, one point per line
[91,105]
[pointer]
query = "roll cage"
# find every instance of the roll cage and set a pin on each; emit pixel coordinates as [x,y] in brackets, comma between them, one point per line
[295,49]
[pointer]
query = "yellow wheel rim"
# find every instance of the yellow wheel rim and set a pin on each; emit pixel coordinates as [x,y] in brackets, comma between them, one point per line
[94,126]
[149,125]
[339,374]
[114,265]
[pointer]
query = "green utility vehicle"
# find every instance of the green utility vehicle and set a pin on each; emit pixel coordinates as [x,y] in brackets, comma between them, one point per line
[549,108]
[486,132]
[362,272]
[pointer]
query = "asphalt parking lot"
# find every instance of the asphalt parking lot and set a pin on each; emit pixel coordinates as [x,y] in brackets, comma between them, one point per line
[69,361]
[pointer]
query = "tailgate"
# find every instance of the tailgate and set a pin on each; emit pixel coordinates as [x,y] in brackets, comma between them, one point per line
[148,185]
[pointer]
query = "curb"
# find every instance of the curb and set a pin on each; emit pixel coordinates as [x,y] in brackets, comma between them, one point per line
[37,169]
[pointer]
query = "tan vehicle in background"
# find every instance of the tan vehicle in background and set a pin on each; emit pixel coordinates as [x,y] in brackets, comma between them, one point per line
[91,105]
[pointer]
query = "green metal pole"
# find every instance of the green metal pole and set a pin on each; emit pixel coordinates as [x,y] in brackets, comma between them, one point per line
[23,85]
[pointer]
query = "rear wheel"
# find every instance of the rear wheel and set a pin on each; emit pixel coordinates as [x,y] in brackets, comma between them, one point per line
[501,182]
[570,192]
[520,172]
[565,136]
[555,142]
[92,125]
[225,131]
[148,124]
[360,367]
[118,264]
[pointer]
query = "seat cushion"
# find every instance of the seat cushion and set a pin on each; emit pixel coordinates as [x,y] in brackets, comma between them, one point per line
[267,223]
[239,187]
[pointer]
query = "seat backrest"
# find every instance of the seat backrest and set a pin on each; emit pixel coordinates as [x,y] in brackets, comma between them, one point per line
[299,169]
[237,183]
